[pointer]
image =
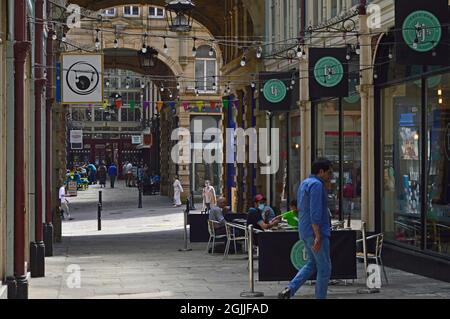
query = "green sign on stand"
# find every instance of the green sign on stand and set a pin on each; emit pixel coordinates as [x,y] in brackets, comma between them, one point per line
[298,255]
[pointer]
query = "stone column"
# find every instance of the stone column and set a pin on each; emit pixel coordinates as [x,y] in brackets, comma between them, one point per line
[305,120]
[367,120]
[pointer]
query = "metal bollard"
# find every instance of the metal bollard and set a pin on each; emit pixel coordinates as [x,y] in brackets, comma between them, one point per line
[186,211]
[140,195]
[99,211]
[252,292]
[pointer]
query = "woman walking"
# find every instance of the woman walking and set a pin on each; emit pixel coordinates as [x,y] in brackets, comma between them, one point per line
[177,190]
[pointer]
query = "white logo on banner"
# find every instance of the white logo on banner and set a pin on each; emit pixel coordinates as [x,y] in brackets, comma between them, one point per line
[374,276]
[74,19]
[74,279]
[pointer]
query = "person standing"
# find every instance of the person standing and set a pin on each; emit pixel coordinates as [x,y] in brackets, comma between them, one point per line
[129,171]
[209,196]
[112,172]
[102,173]
[177,190]
[314,228]
[64,207]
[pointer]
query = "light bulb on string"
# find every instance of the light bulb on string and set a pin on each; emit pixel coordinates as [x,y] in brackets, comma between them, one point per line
[144,48]
[253,85]
[166,49]
[97,43]
[390,54]
[259,52]
[162,87]
[303,53]
[211,52]
[194,49]
[243,61]
[214,86]
[178,86]
[116,43]
[142,84]
[358,49]
[64,39]
[299,52]
[54,36]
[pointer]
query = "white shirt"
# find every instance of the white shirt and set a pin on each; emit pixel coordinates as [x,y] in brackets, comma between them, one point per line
[209,195]
[129,168]
[62,194]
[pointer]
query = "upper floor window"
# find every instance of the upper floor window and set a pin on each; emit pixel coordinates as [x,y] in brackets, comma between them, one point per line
[131,11]
[205,69]
[111,12]
[154,12]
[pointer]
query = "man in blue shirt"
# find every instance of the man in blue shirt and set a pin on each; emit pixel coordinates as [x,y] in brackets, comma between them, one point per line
[314,229]
[112,172]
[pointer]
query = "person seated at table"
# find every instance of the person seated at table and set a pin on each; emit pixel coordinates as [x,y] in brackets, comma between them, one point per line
[261,216]
[292,208]
[216,213]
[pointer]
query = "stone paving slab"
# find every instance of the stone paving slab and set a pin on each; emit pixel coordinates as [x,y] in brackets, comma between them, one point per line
[136,256]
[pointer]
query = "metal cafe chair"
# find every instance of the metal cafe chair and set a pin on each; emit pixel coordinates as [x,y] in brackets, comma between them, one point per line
[232,237]
[212,235]
[376,255]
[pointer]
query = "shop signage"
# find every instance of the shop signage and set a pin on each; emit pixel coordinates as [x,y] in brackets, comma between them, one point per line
[82,78]
[72,188]
[278,91]
[328,73]
[422,32]
[136,139]
[298,255]
[76,139]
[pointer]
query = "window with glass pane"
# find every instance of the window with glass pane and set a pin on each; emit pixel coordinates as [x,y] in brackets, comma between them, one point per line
[202,171]
[155,12]
[205,69]
[109,12]
[438,167]
[131,10]
[99,115]
[279,186]
[401,126]
[294,156]
[327,145]
[352,158]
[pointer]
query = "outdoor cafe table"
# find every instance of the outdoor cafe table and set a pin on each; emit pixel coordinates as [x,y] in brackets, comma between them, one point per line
[198,225]
[280,250]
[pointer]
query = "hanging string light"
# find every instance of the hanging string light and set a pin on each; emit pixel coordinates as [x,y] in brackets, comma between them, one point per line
[390,54]
[64,38]
[194,49]
[349,52]
[214,86]
[143,84]
[162,87]
[244,59]
[178,86]
[253,85]
[144,44]
[166,49]
[299,51]
[259,52]
[97,41]
[211,51]
[128,83]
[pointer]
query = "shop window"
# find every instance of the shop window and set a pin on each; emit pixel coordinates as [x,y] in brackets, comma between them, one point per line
[438,166]
[401,127]
[200,170]
[205,69]
[131,11]
[294,156]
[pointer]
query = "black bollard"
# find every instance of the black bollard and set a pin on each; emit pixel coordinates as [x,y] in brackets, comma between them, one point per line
[99,211]
[140,195]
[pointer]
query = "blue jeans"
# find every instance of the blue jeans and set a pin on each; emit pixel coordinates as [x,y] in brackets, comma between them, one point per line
[319,262]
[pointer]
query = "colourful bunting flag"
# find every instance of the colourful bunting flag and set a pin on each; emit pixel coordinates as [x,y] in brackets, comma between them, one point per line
[213,105]
[132,104]
[118,103]
[105,104]
[200,105]
[146,105]
[225,104]
[236,104]
[159,106]
[186,106]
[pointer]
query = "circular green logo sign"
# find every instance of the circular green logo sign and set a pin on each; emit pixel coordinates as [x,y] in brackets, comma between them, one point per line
[328,71]
[422,31]
[298,255]
[275,91]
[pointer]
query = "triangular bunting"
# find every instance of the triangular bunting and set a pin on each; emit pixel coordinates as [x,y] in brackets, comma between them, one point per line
[132,104]
[159,106]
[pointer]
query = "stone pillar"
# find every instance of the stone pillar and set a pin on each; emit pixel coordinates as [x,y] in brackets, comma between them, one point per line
[367,120]
[305,120]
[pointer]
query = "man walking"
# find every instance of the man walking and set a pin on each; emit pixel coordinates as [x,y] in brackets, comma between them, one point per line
[112,172]
[314,228]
